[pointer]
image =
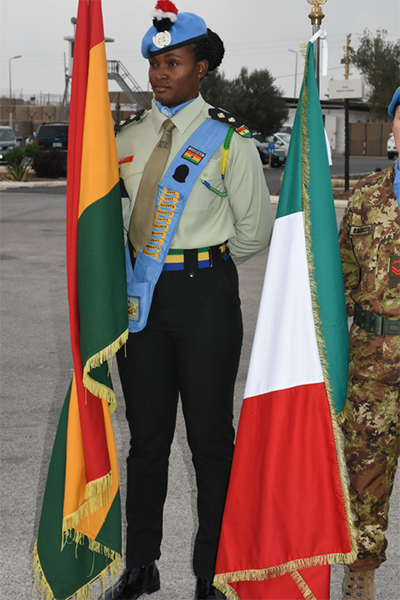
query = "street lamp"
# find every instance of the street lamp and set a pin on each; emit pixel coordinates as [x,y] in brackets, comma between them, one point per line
[295,75]
[9,65]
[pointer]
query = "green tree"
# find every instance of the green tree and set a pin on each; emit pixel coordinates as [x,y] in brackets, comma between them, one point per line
[379,64]
[251,96]
[215,89]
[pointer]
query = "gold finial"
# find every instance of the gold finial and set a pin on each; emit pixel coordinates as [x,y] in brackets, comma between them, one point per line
[316,15]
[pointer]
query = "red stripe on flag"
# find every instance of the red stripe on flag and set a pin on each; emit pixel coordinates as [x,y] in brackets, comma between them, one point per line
[292,485]
[89,32]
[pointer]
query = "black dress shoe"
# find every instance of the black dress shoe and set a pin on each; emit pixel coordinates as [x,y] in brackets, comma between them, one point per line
[135,582]
[206,591]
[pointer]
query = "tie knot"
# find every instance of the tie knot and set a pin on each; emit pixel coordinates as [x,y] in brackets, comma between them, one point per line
[168,125]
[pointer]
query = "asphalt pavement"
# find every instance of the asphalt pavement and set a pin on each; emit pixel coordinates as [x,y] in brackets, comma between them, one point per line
[36,370]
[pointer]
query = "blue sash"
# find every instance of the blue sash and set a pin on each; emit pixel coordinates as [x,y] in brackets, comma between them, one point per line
[173,191]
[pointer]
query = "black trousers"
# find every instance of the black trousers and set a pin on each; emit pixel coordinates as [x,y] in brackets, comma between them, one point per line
[190,346]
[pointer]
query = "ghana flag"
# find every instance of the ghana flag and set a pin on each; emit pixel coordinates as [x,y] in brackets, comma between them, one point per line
[287,514]
[79,535]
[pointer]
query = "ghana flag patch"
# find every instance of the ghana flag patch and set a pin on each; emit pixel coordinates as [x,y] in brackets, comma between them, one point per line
[243,131]
[193,155]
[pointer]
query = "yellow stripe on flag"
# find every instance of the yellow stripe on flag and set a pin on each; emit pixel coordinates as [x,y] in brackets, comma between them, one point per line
[102,161]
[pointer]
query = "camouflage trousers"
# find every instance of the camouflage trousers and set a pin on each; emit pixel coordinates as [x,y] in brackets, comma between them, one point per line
[372,439]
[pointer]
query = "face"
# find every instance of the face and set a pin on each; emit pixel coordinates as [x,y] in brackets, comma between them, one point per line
[175,76]
[396,128]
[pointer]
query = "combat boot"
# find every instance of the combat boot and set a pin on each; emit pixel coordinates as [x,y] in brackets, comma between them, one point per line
[359,585]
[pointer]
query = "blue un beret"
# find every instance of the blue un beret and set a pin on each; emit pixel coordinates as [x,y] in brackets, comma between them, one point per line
[395,101]
[187,28]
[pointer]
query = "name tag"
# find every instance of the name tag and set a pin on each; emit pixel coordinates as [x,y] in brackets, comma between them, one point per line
[361,230]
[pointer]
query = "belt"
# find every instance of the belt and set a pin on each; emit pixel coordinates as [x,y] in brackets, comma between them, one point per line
[205,257]
[377,324]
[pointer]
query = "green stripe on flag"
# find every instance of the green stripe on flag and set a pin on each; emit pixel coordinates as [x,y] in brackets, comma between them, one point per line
[327,265]
[102,295]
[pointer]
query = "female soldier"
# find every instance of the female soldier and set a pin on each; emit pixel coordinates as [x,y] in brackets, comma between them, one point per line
[190,188]
[370,249]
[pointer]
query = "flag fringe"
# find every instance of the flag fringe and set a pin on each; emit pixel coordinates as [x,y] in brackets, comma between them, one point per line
[221,581]
[97,497]
[96,388]
[303,587]
[336,419]
[112,569]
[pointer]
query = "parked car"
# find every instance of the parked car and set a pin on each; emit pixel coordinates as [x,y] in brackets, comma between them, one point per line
[391,148]
[52,135]
[286,129]
[277,158]
[281,140]
[7,140]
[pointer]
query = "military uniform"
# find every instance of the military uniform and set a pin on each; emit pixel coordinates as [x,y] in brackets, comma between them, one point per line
[191,343]
[370,251]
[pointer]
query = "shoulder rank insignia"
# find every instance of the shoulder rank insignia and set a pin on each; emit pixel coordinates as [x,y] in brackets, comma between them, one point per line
[132,119]
[237,123]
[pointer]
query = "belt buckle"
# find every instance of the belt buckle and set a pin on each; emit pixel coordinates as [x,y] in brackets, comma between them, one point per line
[377,325]
[210,254]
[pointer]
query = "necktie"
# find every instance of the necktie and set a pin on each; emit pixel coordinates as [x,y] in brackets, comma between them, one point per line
[141,224]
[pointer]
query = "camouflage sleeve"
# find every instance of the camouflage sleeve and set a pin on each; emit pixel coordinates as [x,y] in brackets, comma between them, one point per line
[351,268]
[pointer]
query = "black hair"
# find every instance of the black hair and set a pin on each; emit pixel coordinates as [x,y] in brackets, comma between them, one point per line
[210,49]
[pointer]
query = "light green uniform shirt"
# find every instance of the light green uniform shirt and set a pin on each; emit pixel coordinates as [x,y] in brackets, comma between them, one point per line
[243,217]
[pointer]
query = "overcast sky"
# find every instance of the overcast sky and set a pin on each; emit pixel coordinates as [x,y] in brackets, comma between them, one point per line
[258,34]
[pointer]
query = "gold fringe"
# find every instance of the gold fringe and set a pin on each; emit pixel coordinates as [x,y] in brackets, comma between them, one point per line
[303,587]
[96,388]
[45,592]
[97,497]
[305,167]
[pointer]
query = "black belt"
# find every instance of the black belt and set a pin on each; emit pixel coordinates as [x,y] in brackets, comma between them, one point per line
[377,324]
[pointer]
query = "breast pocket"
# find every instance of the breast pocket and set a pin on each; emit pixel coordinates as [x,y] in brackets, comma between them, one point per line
[207,196]
[132,173]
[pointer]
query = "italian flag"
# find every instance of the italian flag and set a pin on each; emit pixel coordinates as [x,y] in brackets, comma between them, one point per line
[287,514]
[79,535]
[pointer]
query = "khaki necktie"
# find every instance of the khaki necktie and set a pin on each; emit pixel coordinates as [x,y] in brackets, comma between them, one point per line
[141,224]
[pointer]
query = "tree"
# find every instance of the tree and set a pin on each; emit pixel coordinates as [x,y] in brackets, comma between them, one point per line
[215,89]
[379,63]
[251,96]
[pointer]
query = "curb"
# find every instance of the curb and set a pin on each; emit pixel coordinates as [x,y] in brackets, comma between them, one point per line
[8,185]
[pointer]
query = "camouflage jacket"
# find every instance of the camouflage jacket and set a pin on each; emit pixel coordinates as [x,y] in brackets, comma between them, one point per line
[370,246]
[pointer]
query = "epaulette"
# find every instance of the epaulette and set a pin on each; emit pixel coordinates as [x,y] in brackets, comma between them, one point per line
[132,119]
[238,124]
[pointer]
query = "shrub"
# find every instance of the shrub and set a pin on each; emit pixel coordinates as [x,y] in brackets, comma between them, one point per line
[50,163]
[16,169]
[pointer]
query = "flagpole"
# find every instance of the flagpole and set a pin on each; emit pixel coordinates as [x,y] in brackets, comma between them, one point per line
[316,15]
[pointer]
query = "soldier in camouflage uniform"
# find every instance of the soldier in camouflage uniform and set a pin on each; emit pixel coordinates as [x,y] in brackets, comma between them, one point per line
[370,250]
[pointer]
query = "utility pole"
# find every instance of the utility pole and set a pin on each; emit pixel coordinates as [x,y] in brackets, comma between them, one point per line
[346,126]
[316,15]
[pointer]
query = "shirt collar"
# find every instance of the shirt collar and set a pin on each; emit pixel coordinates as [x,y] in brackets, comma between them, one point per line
[171,112]
[183,118]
